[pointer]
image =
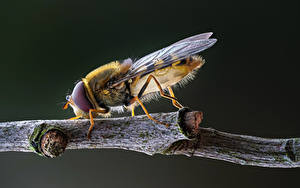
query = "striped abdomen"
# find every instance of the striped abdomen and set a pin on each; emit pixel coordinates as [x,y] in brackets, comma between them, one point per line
[177,72]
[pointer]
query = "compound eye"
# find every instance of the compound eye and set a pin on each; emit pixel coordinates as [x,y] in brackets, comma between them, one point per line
[79,97]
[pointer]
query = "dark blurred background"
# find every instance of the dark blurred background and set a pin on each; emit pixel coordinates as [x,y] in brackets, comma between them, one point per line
[250,84]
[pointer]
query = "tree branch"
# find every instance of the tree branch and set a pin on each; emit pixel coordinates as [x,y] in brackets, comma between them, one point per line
[184,136]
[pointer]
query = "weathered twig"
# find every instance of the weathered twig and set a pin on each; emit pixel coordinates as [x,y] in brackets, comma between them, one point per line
[50,137]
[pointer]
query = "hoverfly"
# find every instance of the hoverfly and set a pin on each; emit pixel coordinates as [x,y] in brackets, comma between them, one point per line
[123,85]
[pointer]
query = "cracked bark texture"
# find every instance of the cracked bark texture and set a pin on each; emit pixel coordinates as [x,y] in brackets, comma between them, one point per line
[184,136]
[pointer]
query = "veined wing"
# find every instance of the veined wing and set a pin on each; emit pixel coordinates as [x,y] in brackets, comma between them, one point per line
[166,56]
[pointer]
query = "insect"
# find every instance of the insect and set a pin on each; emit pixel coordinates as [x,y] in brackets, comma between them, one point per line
[123,85]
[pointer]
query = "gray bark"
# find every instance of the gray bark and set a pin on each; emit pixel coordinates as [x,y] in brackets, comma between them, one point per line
[143,135]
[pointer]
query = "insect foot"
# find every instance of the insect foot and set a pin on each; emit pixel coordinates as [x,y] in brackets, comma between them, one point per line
[48,141]
[189,122]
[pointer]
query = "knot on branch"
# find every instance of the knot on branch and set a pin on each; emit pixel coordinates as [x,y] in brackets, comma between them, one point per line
[189,122]
[48,141]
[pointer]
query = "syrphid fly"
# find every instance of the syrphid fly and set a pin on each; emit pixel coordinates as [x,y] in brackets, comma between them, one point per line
[123,85]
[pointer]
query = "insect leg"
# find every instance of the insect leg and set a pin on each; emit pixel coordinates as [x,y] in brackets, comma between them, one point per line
[146,112]
[174,102]
[76,117]
[66,105]
[92,120]
[132,111]
[160,90]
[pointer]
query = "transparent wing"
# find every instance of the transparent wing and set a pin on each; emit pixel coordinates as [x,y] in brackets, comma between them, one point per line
[169,55]
[202,36]
[172,48]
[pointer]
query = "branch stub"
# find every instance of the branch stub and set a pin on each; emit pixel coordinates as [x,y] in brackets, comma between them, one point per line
[48,141]
[189,122]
